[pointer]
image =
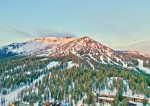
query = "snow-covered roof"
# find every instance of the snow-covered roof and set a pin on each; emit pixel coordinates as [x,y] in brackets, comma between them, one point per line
[106,98]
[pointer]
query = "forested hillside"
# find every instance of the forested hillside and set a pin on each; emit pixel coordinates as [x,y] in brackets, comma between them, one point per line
[69,80]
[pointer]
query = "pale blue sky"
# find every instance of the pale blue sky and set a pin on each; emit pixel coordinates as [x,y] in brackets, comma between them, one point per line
[111,22]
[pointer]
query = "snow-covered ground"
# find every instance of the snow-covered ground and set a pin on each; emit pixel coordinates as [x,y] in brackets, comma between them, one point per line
[30,46]
[141,67]
[37,45]
[52,64]
[12,96]
[71,64]
[129,92]
[103,104]
[44,59]
[137,103]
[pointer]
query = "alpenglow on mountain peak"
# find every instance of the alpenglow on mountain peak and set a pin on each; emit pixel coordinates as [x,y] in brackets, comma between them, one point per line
[84,48]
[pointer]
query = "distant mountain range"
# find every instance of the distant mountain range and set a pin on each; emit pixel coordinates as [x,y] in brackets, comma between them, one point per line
[142,47]
[85,48]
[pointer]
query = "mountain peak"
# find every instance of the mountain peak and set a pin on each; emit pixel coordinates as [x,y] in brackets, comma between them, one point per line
[68,37]
[84,47]
[85,38]
[55,40]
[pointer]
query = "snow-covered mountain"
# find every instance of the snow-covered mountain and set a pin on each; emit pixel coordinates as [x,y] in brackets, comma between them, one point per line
[33,46]
[90,50]
[85,48]
[94,52]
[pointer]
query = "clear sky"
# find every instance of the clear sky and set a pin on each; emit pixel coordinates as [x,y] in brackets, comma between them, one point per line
[111,22]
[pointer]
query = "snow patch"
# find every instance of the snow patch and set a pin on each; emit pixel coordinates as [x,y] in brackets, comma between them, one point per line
[71,64]
[141,67]
[52,64]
